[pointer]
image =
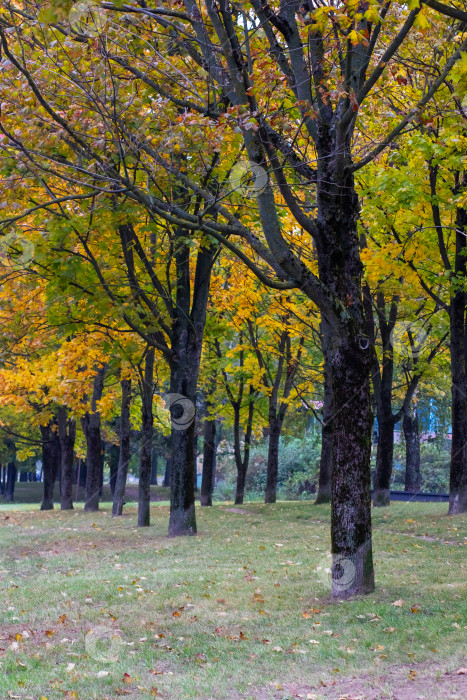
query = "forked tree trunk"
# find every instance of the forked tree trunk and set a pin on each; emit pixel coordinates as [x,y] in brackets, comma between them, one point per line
[242,463]
[124,457]
[325,462]
[91,423]
[50,462]
[187,341]
[144,485]
[67,434]
[413,480]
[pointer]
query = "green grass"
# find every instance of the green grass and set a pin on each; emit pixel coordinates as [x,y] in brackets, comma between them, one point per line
[31,492]
[227,614]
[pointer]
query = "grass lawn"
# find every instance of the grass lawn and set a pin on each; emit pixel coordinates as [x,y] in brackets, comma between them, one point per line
[93,607]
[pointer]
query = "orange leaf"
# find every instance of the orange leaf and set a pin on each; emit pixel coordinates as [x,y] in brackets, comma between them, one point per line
[126,678]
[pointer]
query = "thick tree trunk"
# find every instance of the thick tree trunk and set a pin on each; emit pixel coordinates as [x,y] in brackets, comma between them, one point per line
[2,480]
[349,354]
[124,456]
[67,434]
[187,341]
[91,423]
[325,463]
[413,478]
[209,461]
[144,487]
[114,456]
[352,569]
[50,462]
[275,425]
[384,462]
[11,474]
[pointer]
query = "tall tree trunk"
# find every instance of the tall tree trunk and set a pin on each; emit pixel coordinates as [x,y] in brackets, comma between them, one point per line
[50,462]
[187,341]
[272,469]
[10,474]
[67,434]
[209,460]
[458,348]
[325,462]
[413,478]
[352,568]
[124,456]
[242,462]
[384,461]
[101,472]
[167,472]
[114,456]
[91,423]
[349,356]
[144,486]
[154,464]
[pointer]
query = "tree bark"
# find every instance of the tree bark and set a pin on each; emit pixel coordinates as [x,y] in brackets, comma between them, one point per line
[187,340]
[11,474]
[242,463]
[272,471]
[67,434]
[50,462]
[413,478]
[124,458]
[144,486]
[167,472]
[352,568]
[325,463]
[114,456]
[154,464]
[91,423]
[384,461]
[458,350]
[209,460]
[349,356]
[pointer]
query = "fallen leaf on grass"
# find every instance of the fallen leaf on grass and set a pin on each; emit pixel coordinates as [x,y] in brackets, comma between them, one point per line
[126,678]
[461,671]
[49,633]
[155,692]
[398,603]
[412,675]
[101,674]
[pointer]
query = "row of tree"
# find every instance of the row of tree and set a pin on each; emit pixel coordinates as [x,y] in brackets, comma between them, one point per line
[121,137]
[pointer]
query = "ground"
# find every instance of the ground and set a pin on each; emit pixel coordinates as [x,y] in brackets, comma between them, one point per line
[94,608]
